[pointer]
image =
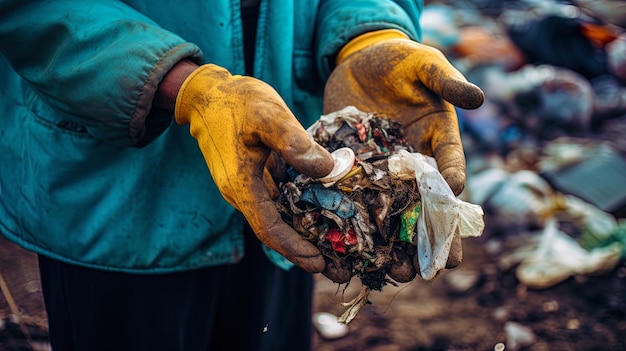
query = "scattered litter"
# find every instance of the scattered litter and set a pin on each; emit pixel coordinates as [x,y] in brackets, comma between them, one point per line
[573,324]
[550,235]
[518,336]
[328,326]
[550,306]
[499,347]
[597,176]
[461,280]
[559,257]
[515,201]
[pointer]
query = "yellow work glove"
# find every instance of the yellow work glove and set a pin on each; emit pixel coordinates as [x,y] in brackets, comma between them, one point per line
[238,121]
[387,73]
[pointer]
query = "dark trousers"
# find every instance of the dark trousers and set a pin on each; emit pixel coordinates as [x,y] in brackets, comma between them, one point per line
[252,305]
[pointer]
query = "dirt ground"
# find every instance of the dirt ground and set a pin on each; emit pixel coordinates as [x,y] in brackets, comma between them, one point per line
[464,309]
[23,321]
[469,308]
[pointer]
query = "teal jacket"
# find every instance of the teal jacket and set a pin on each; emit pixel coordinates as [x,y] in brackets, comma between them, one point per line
[89,174]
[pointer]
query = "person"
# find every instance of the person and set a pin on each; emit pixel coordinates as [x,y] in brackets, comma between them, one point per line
[141,143]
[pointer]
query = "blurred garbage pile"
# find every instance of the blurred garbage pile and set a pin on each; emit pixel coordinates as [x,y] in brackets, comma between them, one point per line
[23,320]
[546,152]
[380,209]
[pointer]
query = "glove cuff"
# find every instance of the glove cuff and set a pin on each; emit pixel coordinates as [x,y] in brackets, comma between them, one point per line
[368,39]
[191,88]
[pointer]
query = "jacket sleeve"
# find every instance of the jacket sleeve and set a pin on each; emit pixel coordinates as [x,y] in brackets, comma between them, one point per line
[341,20]
[98,63]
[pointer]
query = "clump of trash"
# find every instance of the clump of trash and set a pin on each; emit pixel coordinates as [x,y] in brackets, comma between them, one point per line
[381,201]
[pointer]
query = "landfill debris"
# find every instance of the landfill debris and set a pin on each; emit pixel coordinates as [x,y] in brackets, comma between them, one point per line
[461,280]
[558,256]
[518,336]
[537,102]
[516,200]
[574,237]
[382,201]
[327,324]
[595,172]
[548,68]
[15,335]
[438,26]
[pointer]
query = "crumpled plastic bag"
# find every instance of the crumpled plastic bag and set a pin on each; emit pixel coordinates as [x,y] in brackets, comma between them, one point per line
[558,256]
[442,213]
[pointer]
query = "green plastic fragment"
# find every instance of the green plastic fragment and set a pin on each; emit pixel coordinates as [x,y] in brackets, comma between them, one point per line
[409,220]
[590,240]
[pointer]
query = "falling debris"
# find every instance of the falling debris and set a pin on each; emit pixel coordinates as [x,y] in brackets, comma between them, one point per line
[382,205]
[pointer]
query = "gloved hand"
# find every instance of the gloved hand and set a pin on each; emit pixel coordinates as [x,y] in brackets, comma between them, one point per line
[385,72]
[238,121]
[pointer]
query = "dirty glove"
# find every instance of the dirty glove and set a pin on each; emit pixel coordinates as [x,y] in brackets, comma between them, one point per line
[384,72]
[238,121]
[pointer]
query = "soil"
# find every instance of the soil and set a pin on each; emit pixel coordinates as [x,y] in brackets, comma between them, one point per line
[23,321]
[583,313]
[463,309]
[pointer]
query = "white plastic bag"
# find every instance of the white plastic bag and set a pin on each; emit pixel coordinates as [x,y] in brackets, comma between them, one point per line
[442,213]
[558,257]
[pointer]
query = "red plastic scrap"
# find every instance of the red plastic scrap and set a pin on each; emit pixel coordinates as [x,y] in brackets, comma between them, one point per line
[339,240]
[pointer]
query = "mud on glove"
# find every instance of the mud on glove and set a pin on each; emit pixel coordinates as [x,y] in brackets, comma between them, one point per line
[387,73]
[238,121]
